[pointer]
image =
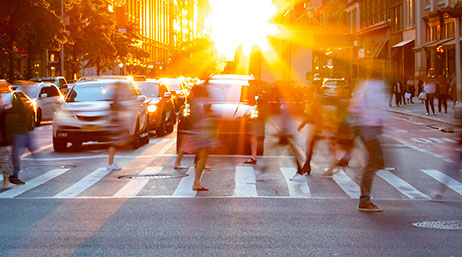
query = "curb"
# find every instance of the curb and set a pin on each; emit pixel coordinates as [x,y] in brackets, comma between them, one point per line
[426,117]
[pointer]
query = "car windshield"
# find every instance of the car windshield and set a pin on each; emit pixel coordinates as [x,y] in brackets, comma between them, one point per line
[175,85]
[149,89]
[29,90]
[230,92]
[91,92]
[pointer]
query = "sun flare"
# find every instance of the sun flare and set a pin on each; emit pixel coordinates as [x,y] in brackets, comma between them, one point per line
[241,22]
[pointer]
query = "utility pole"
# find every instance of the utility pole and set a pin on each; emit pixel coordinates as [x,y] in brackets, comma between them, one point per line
[62,45]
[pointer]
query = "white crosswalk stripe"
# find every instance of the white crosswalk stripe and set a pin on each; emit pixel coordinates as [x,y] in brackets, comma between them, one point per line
[445,179]
[245,182]
[347,184]
[401,185]
[40,180]
[184,188]
[134,186]
[85,183]
[297,189]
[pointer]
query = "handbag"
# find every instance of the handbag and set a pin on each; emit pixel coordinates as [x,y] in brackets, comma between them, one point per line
[422,96]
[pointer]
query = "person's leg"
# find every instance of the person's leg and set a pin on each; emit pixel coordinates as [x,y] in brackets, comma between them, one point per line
[445,103]
[201,161]
[427,101]
[112,151]
[440,100]
[432,102]
[179,157]
[253,150]
[18,144]
[310,143]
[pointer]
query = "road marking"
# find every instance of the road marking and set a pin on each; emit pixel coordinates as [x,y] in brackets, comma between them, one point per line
[347,184]
[445,179]
[245,182]
[404,142]
[134,186]
[152,156]
[167,146]
[85,183]
[184,188]
[33,183]
[401,185]
[297,189]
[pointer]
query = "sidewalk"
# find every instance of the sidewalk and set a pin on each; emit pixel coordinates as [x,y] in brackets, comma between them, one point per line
[418,109]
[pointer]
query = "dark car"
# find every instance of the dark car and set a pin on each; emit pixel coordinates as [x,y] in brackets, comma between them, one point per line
[161,108]
[177,88]
[335,88]
[232,101]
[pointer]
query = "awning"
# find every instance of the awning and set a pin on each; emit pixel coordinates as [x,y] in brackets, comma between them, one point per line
[403,43]
[451,44]
[435,44]
[418,48]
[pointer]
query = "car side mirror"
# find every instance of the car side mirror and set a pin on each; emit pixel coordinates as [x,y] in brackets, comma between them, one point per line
[141,98]
[43,95]
[167,95]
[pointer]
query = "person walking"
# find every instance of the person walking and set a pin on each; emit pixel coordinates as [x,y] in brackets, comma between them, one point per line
[5,154]
[430,90]
[398,92]
[411,90]
[443,91]
[420,85]
[366,118]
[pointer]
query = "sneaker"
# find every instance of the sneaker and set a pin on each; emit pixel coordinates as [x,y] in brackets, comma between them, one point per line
[9,186]
[181,167]
[325,175]
[427,113]
[113,167]
[297,177]
[16,181]
[370,207]
[250,161]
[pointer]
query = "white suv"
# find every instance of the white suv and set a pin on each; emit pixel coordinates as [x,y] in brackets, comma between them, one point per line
[86,115]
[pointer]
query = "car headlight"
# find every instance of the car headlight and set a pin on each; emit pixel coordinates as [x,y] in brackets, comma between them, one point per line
[254,114]
[152,108]
[64,114]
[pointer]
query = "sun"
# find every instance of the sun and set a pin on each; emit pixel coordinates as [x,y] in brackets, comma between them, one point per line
[241,22]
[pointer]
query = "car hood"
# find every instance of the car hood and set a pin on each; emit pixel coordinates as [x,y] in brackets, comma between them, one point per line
[95,106]
[231,110]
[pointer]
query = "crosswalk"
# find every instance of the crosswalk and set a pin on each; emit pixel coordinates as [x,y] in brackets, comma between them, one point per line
[245,181]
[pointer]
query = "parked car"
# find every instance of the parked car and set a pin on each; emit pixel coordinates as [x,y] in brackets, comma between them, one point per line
[85,115]
[161,108]
[60,82]
[177,88]
[335,88]
[46,97]
[233,103]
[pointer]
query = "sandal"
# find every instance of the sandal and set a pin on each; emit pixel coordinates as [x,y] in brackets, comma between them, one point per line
[180,167]
[250,161]
[201,189]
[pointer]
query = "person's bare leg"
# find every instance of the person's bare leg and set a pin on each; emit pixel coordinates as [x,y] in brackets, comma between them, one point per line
[200,165]
[6,181]
[178,159]
[254,145]
[112,152]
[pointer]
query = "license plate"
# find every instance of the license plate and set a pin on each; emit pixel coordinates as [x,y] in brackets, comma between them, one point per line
[90,128]
[62,134]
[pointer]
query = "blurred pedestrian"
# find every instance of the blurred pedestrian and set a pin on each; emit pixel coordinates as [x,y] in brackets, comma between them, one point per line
[366,118]
[453,91]
[5,154]
[443,91]
[119,125]
[398,90]
[258,129]
[411,90]
[21,127]
[430,90]
[420,86]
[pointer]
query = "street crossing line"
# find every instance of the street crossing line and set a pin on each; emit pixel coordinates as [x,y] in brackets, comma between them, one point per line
[297,189]
[167,146]
[401,185]
[445,179]
[347,184]
[85,183]
[33,183]
[184,188]
[245,182]
[134,186]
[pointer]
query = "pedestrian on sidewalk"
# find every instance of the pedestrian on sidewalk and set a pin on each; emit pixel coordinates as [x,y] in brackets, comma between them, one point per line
[443,91]
[430,90]
[420,86]
[411,90]
[453,91]
[366,118]
[398,92]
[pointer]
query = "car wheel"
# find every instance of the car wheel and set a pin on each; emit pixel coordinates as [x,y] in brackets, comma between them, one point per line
[171,122]
[145,139]
[160,131]
[59,144]
[136,136]
[39,117]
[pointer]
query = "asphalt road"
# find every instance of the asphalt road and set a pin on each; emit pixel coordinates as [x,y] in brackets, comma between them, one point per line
[71,207]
